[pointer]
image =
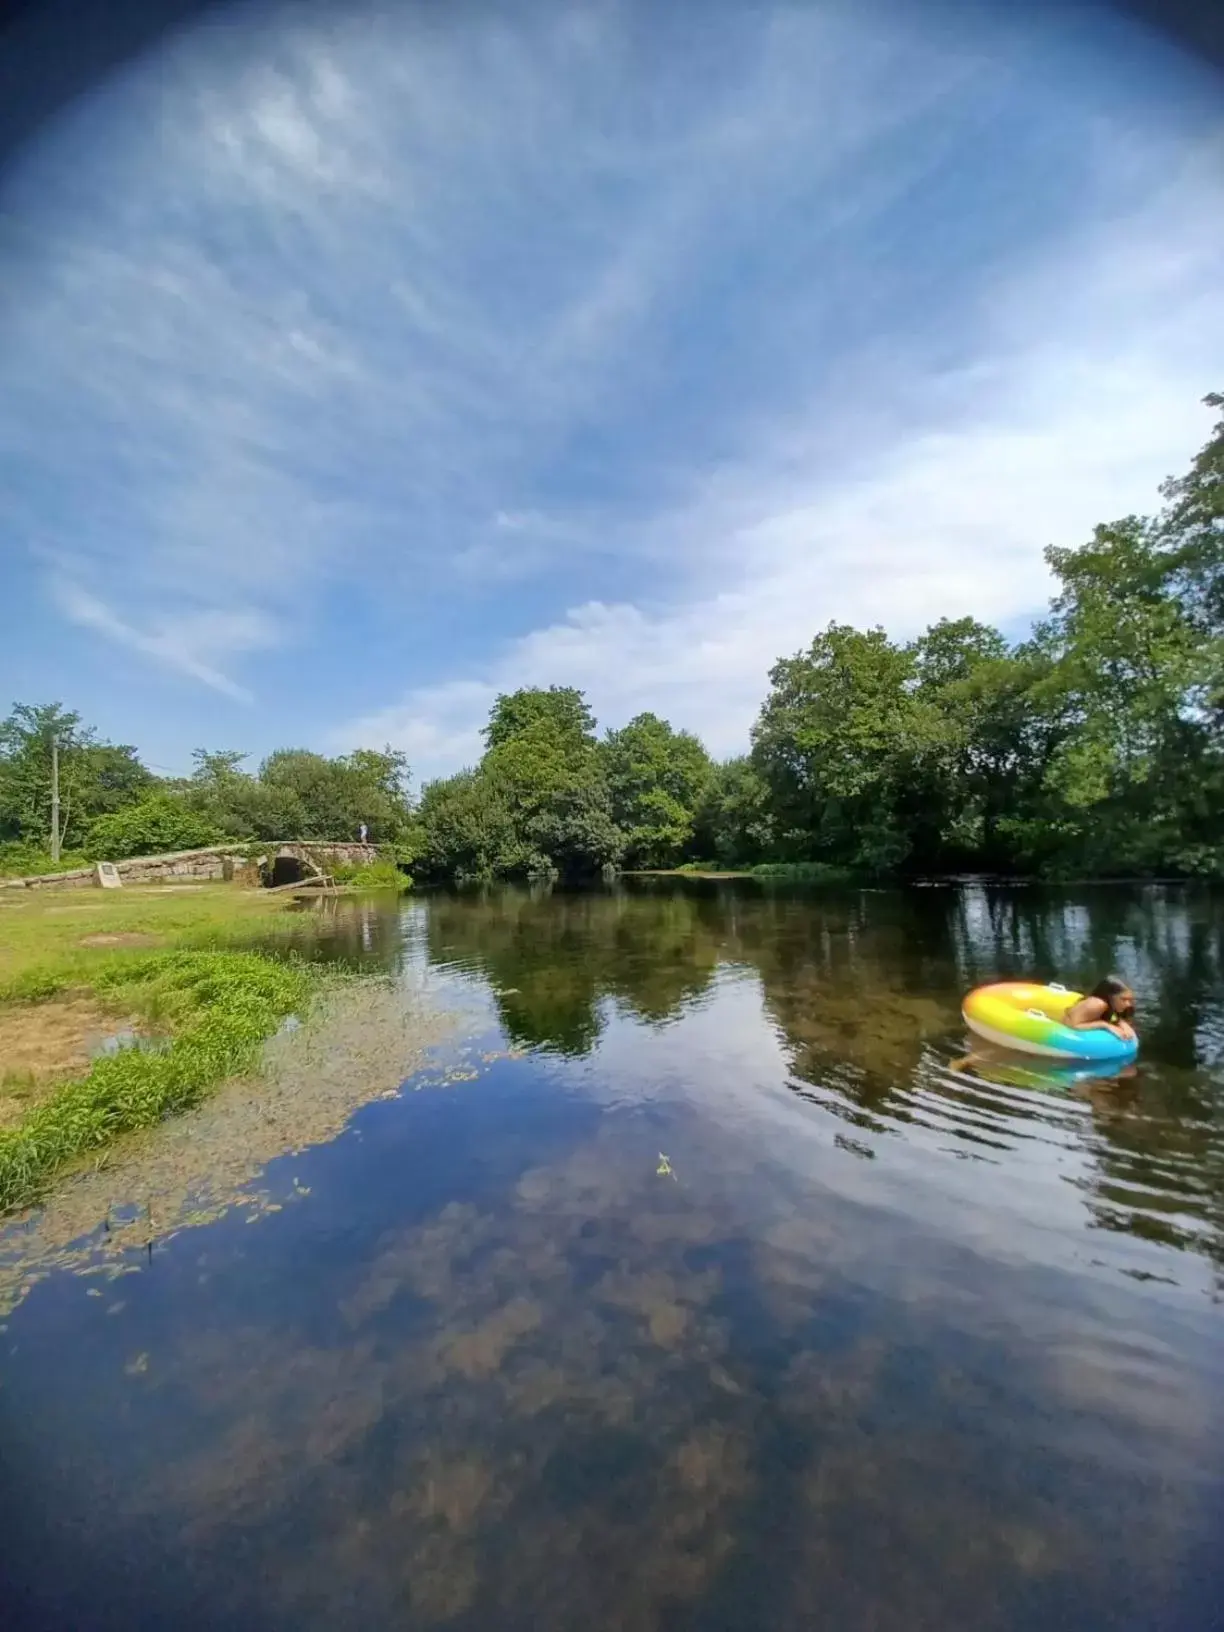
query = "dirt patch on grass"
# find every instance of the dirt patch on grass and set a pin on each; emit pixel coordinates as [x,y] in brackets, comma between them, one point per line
[117,938]
[41,1044]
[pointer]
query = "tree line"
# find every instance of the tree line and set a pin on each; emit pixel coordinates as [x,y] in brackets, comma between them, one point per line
[112,806]
[1094,747]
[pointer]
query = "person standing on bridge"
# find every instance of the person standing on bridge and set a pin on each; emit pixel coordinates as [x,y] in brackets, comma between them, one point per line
[364,831]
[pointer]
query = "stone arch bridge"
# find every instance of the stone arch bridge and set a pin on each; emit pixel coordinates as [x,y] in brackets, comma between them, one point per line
[289,862]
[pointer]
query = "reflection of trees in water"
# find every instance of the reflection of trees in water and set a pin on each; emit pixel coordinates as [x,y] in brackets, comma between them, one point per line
[552,959]
[367,932]
[866,988]
[596,1403]
[1158,1140]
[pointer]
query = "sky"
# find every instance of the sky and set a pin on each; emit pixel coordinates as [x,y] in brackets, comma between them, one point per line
[359,362]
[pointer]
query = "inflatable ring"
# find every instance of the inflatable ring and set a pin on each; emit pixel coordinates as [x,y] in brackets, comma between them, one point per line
[1018,1014]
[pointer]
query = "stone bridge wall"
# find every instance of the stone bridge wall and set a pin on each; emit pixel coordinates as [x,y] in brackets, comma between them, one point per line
[217,861]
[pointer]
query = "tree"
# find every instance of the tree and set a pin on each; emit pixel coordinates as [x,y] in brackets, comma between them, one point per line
[1192,528]
[300,794]
[536,806]
[734,822]
[562,709]
[966,674]
[1133,779]
[150,827]
[241,805]
[94,776]
[657,778]
[837,740]
[468,832]
[548,776]
[952,651]
[1005,735]
[219,766]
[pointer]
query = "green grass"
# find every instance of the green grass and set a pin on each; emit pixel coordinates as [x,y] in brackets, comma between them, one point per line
[784,872]
[803,872]
[217,1008]
[26,860]
[372,875]
[36,925]
[210,998]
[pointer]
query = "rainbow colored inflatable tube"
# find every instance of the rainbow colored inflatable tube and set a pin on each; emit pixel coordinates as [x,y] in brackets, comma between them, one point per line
[1017,1014]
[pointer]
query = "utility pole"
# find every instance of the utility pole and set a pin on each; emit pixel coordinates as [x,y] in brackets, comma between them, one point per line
[55,827]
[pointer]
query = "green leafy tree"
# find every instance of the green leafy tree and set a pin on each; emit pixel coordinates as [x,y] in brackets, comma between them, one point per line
[562,712]
[953,651]
[1004,738]
[838,739]
[94,776]
[297,794]
[241,805]
[536,806]
[153,826]
[959,788]
[547,773]
[336,797]
[1192,528]
[1132,780]
[734,824]
[307,785]
[381,780]
[657,778]
[468,832]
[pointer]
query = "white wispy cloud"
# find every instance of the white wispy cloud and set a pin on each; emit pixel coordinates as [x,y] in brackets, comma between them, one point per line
[647,349]
[1082,395]
[346,281]
[193,643]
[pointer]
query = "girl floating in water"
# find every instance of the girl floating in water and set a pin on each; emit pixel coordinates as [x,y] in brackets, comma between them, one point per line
[1109,1006]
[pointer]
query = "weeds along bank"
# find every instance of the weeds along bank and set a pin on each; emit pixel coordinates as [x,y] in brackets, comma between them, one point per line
[208,1015]
[177,974]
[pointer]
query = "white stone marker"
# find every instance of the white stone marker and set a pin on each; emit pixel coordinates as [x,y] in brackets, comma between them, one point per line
[108,876]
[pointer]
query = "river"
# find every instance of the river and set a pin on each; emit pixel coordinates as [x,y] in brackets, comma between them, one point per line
[707,1279]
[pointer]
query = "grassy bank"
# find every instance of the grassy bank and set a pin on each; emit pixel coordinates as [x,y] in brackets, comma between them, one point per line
[39,925]
[784,872]
[208,1014]
[200,1004]
[372,875]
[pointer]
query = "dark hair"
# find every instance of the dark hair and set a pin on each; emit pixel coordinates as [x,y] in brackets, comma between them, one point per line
[1109,989]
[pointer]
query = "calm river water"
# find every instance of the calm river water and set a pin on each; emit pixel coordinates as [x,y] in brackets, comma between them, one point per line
[705,1285]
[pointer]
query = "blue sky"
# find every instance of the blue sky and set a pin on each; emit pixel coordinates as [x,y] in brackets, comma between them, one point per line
[358,362]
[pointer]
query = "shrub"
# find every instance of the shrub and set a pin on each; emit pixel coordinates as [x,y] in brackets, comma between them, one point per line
[382,874]
[149,828]
[803,872]
[21,860]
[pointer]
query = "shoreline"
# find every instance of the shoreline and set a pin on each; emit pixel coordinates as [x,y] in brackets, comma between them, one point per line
[197,987]
[923,881]
[362,1041]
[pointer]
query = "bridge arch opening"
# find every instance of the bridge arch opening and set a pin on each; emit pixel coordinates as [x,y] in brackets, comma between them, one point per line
[287,870]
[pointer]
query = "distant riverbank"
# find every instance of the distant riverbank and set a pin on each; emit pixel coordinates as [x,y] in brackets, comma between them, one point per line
[802,872]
